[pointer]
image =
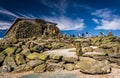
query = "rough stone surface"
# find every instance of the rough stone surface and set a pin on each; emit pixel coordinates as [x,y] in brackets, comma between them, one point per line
[33,56]
[69,67]
[91,66]
[39,69]
[20,59]
[43,57]
[34,63]
[70,59]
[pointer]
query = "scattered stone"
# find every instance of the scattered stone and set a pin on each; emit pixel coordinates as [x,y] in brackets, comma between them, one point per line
[56,57]
[70,59]
[69,67]
[39,69]
[92,66]
[10,61]
[6,69]
[10,50]
[54,67]
[20,59]
[43,57]
[33,56]
[23,67]
[34,63]
[2,57]
[87,49]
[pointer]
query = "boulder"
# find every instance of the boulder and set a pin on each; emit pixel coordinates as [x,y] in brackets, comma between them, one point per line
[18,50]
[10,61]
[87,49]
[19,58]
[70,59]
[10,50]
[54,67]
[6,69]
[92,54]
[92,66]
[26,52]
[33,56]
[69,67]
[2,57]
[23,67]
[41,68]
[52,61]
[34,63]
[56,57]
[43,57]
[36,48]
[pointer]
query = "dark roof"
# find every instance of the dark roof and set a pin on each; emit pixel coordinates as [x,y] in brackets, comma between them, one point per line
[20,18]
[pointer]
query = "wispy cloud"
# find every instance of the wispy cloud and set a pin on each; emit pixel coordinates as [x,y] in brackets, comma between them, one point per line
[65,23]
[59,5]
[106,20]
[4,25]
[7,12]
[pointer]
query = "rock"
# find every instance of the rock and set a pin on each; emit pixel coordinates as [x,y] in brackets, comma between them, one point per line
[115,60]
[69,67]
[78,49]
[52,61]
[2,57]
[20,59]
[92,54]
[109,52]
[26,52]
[33,56]
[6,69]
[92,66]
[10,50]
[36,48]
[18,50]
[55,45]
[34,63]
[23,67]
[54,67]
[87,49]
[43,57]
[56,57]
[70,59]
[77,65]
[10,61]
[39,69]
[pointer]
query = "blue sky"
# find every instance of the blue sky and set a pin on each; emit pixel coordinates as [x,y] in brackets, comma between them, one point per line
[72,16]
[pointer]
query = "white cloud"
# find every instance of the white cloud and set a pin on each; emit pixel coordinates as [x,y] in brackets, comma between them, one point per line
[4,25]
[109,25]
[106,20]
[95,20]
[65,23]
[7,12]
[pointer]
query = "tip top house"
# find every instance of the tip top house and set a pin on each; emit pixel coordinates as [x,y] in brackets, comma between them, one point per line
[28,27]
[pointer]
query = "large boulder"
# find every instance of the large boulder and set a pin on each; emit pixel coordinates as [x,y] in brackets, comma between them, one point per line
[34,63]
[19,58]
[41,68]
[92,66]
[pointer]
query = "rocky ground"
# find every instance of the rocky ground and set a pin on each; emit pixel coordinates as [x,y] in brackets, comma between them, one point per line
[97,57]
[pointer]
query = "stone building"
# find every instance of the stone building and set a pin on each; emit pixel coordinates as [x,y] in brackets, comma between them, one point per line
[26,28]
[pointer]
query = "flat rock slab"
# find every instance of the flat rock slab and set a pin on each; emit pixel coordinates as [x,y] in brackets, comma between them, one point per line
[62,52]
